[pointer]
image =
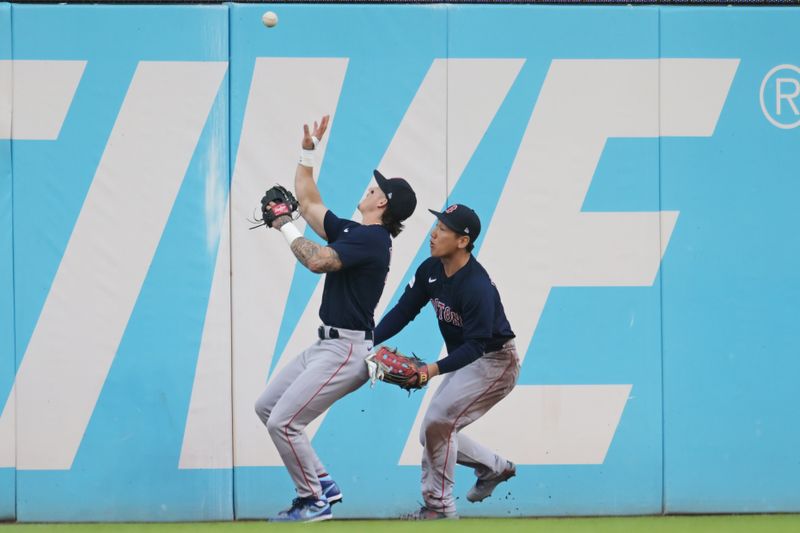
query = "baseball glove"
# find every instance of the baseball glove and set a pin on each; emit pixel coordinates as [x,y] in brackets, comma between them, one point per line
[408,373]
[284,204]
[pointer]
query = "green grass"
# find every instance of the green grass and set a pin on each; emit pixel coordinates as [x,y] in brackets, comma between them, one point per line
[657,524]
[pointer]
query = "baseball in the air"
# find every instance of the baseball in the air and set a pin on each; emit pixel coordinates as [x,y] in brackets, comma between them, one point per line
[269,19]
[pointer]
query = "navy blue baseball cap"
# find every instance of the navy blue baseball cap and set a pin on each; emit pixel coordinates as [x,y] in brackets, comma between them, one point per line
[461,219]
[401,197]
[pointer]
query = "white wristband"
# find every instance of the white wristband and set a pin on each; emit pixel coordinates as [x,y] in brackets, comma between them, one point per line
[291,232]
[307,158]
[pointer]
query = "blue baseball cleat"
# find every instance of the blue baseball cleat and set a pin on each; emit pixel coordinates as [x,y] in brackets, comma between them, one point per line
[305,510]
[331,490]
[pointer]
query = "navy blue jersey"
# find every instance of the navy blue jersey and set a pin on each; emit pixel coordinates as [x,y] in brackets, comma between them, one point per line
[467,306]
[351,294]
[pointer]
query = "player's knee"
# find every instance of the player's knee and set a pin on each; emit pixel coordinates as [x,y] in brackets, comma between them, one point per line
[274,426]
[434,425]
[263,411]
[280,423]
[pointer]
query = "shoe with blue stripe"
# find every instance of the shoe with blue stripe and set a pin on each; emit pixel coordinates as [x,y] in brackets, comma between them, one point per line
[305,510]
[330,490]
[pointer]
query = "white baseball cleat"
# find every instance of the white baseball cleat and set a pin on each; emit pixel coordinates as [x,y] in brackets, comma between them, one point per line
[483,488]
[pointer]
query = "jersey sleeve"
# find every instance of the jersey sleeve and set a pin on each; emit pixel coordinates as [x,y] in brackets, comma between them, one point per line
[478,317]
[407,308]
[333,225]
[358,246]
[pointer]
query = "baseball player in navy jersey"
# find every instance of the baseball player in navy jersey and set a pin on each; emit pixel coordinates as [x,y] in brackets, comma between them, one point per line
[480,369]
[356,263]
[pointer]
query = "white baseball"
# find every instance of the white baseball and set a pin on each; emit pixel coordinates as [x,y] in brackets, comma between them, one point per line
[269,19]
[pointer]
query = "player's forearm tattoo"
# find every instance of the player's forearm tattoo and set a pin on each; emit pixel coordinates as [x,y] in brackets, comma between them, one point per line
[315,257]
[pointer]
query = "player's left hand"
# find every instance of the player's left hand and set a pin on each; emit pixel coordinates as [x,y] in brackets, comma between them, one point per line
[391,366]
[281,220]
[277,208]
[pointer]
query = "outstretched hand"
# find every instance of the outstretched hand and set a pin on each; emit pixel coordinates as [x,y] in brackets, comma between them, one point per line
[318,131]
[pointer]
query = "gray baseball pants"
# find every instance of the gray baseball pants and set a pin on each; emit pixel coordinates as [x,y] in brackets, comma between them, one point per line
[464,396]
[324,372]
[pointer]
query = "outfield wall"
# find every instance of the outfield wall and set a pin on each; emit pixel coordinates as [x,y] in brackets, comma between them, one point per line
[635,171]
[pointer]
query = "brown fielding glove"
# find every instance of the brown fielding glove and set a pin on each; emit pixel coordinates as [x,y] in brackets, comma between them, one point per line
[408,373]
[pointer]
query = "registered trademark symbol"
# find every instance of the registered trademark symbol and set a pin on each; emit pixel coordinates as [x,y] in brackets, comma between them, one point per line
[780,96]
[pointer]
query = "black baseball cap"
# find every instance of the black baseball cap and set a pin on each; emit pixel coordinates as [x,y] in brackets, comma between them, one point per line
[461,219]
[400,195]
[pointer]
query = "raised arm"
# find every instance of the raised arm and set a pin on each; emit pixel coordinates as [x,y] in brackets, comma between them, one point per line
[311,207]
[316,258]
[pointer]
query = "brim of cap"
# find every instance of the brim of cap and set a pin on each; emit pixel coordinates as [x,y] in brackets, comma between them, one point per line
[381,180]
[443,219]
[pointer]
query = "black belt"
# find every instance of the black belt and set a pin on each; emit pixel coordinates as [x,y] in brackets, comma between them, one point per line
[333,333]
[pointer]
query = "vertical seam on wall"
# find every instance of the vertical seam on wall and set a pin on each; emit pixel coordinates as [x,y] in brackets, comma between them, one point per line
[661,281]
[447,105]
[13,264]
[229,251]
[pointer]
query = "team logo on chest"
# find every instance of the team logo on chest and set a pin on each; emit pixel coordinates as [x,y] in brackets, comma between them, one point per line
[445,314]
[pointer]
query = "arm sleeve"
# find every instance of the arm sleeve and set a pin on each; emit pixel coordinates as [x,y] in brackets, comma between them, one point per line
[407,308]
[478,315]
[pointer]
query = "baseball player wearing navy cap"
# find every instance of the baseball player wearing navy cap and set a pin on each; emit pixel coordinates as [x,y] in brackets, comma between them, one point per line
[356,263]
[480,369]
